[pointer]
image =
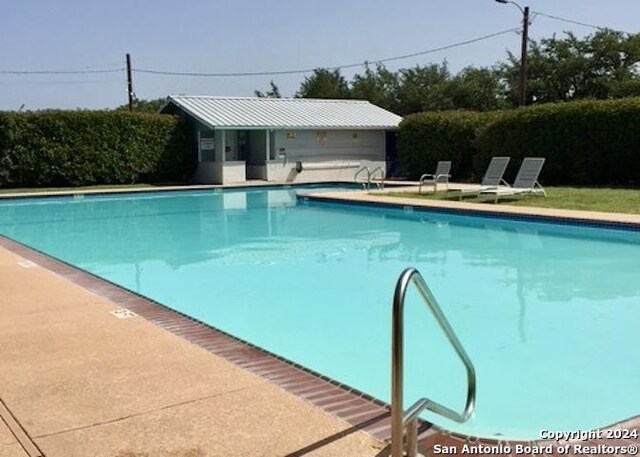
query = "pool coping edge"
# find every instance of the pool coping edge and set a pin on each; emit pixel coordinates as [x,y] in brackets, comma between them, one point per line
[506,212]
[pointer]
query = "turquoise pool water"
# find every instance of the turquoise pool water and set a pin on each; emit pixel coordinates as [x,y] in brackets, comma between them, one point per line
[550,314]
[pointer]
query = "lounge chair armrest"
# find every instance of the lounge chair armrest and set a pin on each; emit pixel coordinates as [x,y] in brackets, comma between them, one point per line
[427,176]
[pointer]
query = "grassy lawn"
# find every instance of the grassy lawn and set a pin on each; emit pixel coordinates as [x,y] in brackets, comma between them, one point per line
[588,199]
[28,190]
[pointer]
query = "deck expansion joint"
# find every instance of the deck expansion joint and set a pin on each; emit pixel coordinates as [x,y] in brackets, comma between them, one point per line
[18,431]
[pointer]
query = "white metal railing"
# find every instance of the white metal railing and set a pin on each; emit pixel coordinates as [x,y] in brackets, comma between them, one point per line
[370,177]
[400,419]
[380,183]
[362,170]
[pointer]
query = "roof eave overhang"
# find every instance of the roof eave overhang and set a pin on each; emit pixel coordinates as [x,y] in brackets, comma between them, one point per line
[299,127]
[204,121]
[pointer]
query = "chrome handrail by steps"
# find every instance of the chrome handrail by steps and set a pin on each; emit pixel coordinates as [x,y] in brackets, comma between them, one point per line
[408,419]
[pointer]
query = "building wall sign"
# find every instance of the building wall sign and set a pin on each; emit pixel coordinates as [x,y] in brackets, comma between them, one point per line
[207,144]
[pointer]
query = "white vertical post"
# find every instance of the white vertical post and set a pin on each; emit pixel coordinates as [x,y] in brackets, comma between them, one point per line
[267,154]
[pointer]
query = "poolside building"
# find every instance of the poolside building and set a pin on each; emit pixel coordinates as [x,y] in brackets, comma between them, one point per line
[286,139]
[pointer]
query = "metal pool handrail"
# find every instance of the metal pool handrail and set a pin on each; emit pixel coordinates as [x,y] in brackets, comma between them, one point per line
[409,419]
[355,176]
[382,175]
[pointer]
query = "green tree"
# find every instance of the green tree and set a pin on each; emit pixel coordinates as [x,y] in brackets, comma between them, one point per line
[477,89]
[615,63]
[273,92]
[324,83]
[429,88]
[602,65]
[144,106]
[378,86]
[424,89]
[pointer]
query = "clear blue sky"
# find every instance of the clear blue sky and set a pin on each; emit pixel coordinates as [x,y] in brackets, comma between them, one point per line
[249,35]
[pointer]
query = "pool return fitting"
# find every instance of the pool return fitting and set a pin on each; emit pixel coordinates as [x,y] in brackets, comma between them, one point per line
[400,419]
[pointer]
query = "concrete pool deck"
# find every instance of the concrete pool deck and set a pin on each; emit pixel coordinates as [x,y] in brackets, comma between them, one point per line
[81,382]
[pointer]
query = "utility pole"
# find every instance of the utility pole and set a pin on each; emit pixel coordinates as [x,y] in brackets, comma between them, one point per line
[523,57]
[522,89]
[129,82]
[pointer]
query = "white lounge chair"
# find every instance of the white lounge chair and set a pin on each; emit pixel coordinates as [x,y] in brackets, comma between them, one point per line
[441,175]
[491,180]
[526,181]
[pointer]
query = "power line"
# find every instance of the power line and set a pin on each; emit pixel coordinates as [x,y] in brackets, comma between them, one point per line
[450,46]
[64,82]
[584,24]
[58,72]
[338,67]
[101,66]
[96,69]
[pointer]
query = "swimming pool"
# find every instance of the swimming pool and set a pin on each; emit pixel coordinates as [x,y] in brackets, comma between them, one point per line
[548,313]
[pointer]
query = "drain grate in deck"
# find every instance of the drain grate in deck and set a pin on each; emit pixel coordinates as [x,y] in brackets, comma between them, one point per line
[27,264]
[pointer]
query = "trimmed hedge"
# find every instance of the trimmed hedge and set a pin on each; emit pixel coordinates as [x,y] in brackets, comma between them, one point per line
[426,138]
[74,148]
[585,142]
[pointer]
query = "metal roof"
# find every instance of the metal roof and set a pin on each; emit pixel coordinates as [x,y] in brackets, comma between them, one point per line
[284,113]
